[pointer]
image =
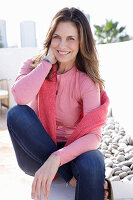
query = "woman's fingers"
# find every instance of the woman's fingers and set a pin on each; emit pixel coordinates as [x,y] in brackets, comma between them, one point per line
[38,188]
[33,188]
[51,56]
[48,186]
[44,176]
[44,188]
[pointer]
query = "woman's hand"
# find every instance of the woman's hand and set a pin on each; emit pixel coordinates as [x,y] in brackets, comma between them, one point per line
[44,176]
[50,56]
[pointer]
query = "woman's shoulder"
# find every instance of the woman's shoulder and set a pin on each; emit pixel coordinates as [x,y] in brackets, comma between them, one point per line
[84,78]
[86,83]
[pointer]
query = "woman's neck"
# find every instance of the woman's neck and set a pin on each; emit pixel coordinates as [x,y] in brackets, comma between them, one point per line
[64,67]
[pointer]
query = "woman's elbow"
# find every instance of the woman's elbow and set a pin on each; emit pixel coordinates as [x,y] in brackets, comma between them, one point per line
[18,97]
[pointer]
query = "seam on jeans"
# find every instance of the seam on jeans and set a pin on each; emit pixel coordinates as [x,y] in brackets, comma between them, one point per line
[18,140]
[77,185]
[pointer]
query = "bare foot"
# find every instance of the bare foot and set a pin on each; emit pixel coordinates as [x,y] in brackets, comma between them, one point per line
[73,181]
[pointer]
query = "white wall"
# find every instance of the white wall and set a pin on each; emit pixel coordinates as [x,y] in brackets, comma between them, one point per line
[116,67]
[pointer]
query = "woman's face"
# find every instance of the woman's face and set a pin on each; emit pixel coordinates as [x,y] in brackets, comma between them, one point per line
[65,42]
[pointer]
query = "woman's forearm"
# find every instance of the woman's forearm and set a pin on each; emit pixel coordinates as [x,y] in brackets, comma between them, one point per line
[28,83]
[89,142]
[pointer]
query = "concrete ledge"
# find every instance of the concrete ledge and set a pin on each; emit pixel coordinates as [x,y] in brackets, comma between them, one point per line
[122,190]
[59,191]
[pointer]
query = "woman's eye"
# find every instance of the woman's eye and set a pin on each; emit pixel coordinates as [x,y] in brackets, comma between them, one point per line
[71,38]
[56,36]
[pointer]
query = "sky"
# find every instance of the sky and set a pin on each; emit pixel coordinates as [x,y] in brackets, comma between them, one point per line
[42,12]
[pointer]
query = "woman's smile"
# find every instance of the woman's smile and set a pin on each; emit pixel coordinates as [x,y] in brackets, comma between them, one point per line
[63,52]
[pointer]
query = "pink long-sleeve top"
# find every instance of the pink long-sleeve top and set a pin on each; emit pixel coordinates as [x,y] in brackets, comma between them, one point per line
[76,92]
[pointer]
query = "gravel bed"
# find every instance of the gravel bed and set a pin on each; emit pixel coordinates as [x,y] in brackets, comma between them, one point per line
[117,148]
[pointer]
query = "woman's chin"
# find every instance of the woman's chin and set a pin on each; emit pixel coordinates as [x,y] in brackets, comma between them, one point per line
[62,60]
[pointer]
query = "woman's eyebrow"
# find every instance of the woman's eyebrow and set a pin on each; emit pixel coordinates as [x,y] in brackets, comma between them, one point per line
[72,36]
[67,36]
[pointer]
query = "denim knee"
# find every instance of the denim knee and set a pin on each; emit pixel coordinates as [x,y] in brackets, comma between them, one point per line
[15,113]
[89,166]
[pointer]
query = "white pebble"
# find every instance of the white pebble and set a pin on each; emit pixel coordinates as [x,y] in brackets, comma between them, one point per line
[125,169]
[117,169]
[128,149]
[109,172]
[118,172]
[115,178]
[123,174]
[117,148]
[120,158]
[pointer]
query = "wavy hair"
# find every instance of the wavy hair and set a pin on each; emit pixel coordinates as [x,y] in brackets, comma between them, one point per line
[86,59]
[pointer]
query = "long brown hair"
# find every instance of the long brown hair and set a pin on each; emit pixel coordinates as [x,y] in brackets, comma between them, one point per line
[86,60]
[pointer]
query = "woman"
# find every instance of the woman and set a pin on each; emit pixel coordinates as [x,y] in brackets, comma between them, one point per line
[58,133]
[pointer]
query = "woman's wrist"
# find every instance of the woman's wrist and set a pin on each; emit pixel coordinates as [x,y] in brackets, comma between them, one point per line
[46,59]
[57,157]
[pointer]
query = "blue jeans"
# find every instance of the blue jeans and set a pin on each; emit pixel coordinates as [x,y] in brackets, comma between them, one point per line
[33,146]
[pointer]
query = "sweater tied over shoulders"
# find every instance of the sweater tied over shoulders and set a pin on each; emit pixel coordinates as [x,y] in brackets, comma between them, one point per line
[47,115]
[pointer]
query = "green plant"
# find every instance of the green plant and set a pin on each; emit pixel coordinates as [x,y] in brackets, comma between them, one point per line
[110,33]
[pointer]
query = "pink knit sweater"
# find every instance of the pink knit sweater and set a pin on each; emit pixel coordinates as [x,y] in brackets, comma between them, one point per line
[76,92]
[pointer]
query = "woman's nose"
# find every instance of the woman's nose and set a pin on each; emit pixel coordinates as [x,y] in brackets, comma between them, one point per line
[62,43]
